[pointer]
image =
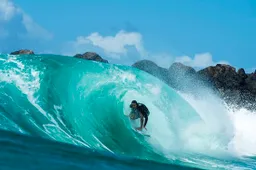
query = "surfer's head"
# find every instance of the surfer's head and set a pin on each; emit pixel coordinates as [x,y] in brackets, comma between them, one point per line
[134,104]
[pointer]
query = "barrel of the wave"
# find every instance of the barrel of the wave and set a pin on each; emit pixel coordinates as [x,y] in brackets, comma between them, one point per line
[93,105]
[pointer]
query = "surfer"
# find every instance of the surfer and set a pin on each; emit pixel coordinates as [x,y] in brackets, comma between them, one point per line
[139,110]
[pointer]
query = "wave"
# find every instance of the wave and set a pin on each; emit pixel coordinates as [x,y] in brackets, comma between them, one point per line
[86,103]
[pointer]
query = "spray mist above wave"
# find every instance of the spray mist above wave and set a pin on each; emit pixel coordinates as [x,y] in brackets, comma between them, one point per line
[224,121]
[229,123]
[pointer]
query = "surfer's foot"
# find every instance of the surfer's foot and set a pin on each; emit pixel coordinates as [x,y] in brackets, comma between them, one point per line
[139,128]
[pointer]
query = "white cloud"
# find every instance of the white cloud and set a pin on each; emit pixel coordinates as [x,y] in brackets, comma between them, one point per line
[18,30]
[114,46]
[7,10]
[33,29]
[199,61]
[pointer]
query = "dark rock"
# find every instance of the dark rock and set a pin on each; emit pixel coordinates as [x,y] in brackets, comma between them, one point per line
[251,83]
[183,77]
[242,73]
[178,76]
[153,69]
[19,52]
[223,76]
[91,56]
[235,88]
[179,68]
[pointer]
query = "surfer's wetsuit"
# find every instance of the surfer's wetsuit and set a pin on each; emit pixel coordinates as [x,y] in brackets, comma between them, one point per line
[143,110]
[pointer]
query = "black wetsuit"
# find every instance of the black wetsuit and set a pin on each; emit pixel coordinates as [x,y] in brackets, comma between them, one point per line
[144,111]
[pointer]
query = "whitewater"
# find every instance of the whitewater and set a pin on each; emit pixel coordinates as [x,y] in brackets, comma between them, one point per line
[64,112]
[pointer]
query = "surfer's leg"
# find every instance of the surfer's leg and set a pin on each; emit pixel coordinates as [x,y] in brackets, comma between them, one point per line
[141,122]
[146,120]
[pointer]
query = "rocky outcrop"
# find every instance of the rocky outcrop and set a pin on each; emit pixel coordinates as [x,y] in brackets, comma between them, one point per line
[182,76]
[20,52]
[178,68]
[222,76]
[242,73]
[153,69]
[178,76]
[91,56]
[87,56]
[235,87]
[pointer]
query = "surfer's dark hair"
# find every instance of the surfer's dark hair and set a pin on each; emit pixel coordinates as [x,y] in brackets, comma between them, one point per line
[134,101]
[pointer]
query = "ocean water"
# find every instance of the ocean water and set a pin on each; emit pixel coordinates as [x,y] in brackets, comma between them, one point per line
[59,112]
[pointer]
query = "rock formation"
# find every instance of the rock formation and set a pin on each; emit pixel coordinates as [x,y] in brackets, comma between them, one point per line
[235,87]
[19,52]
[91,56]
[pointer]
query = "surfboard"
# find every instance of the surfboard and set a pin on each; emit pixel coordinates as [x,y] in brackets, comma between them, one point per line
[141,132]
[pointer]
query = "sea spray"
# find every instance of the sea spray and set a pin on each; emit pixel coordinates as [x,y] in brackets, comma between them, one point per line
[214,136]
[244,141]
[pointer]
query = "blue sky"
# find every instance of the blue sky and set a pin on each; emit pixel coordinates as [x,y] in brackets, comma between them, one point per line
[198,33]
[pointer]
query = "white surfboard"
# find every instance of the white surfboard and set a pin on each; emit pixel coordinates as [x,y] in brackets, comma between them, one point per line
[141,132]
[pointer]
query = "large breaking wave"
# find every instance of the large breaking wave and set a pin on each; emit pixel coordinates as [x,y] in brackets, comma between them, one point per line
[86,103]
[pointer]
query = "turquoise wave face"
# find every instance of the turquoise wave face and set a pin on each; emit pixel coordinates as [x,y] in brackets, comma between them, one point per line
[86,103]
